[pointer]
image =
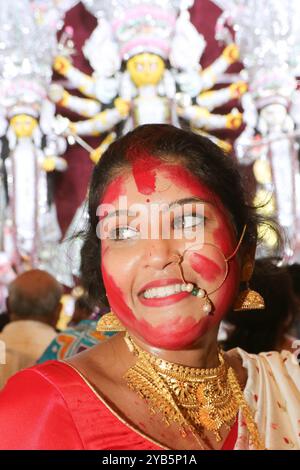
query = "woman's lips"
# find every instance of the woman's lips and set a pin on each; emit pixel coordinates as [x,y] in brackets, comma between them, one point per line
[163,301]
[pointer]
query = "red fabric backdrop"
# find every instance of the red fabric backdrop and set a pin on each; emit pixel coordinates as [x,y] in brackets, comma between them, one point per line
[70,187]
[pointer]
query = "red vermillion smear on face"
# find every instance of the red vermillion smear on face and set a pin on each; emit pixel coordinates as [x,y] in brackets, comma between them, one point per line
[176,331]
[114,190]
[174,334]
[144,166]
[207,268]
[116,298]
[224,238]
[171,334]
[227,292]
[183,178]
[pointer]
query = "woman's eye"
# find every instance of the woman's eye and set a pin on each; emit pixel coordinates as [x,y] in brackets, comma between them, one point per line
[188,221]
[123,233]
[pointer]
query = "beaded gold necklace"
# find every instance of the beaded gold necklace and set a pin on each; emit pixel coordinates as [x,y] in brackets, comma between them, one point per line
[197,400]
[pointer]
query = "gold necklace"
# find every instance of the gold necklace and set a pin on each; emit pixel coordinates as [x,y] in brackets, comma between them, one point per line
[195,399]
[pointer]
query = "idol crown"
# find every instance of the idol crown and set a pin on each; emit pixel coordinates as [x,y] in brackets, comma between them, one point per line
[141,26]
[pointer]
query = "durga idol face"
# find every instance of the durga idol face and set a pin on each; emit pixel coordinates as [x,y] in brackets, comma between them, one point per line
[23,125]
[146,69]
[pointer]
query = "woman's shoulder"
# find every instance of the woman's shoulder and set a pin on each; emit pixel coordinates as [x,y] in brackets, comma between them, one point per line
[275,359]
[33,408]
[32,387]
[278,366]
[273,393]
[54,379]
[54,374]
[279,369]
[39,402]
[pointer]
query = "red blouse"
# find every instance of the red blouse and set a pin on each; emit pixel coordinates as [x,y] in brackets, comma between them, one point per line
[50,406]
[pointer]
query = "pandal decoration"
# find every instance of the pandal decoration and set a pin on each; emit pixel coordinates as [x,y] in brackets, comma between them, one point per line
[146,61]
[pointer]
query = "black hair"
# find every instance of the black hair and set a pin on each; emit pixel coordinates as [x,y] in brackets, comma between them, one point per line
[294,271]
[198,154]
[83,303]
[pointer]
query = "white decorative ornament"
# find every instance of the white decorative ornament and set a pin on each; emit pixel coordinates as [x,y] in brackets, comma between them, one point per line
[187,46]
[101,50]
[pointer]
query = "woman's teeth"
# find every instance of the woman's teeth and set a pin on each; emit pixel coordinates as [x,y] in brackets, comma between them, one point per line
[165,291]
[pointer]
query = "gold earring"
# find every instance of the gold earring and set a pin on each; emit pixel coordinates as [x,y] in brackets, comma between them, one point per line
[109,322]
[248,299]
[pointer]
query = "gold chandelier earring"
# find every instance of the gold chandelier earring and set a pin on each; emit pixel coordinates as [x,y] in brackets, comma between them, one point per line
[248,299]
[109,322]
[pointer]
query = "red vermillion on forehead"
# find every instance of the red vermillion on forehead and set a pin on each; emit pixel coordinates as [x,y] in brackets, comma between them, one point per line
[144,166]
[183,178]
[114,190]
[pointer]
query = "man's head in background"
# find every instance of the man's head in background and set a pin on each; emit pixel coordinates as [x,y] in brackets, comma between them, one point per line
[35,295]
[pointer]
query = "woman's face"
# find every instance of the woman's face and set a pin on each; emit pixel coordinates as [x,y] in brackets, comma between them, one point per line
[180,219]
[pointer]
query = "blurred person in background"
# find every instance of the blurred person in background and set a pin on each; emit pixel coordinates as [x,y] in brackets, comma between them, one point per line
[33,307]
[82,310]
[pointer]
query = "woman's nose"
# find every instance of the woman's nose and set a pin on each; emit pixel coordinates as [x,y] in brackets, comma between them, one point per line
[160,253]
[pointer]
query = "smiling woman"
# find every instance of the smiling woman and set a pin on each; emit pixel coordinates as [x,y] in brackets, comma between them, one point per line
[170,243]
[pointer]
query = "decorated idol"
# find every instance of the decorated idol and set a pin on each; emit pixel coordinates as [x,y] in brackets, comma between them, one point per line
[268,41]
[145,57]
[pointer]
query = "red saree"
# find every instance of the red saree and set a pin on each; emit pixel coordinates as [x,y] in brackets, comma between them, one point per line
[50,407]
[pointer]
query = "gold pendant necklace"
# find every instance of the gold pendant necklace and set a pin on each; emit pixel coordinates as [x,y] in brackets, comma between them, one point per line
[197,400]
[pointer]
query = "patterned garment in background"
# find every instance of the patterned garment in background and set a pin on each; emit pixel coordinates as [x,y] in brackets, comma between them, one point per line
[74,340]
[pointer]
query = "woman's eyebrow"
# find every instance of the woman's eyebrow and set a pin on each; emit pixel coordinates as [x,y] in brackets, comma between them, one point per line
[117,213]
